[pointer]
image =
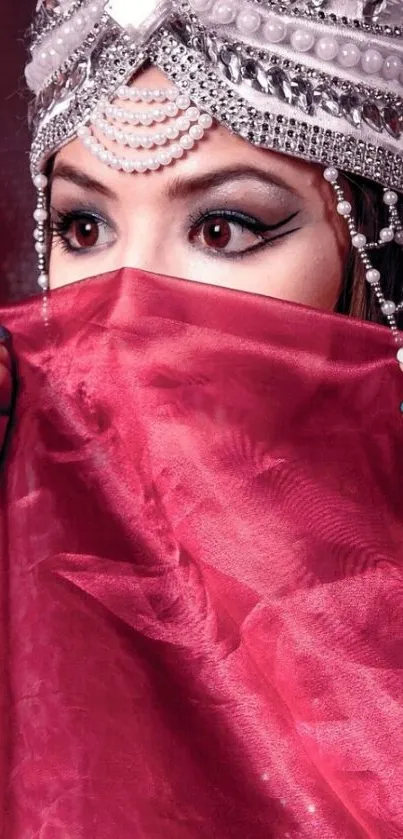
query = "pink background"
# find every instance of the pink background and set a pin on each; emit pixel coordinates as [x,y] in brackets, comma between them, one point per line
[18,272]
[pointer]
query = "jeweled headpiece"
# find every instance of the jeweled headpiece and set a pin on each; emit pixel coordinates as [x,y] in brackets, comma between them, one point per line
[318,79]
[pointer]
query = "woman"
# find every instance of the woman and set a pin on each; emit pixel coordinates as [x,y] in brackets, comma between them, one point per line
[202,523]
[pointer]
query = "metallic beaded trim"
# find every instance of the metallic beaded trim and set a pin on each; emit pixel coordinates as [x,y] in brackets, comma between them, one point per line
[194,75]
[333,19]
[308,89]
[118,59]
[56,17]
[115,64]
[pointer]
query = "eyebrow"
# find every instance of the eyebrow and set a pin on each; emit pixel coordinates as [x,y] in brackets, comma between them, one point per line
[183,187]
[180,187]
[66,172]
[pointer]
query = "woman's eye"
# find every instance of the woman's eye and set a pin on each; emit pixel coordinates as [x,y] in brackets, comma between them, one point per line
[222,235]
[83,233]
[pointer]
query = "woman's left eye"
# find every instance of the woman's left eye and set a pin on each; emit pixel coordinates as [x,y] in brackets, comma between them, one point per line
[224,235]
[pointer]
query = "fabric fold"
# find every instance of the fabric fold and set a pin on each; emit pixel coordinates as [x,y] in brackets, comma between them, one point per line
[201,570]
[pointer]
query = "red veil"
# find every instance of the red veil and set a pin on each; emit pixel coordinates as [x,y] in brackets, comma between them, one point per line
[201,569]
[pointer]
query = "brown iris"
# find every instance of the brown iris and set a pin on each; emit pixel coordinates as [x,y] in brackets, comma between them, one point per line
[216,233]
[85,233]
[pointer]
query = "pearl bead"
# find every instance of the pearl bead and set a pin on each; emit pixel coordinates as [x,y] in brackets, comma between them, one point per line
[43,281]
[331,174]
[40,215]
[399,237]
[390,197]
[371,61]
[275,30]
[388,307]
[164,157]
[373,276]
[224,11]
[186,142]
[302,40]
[206,121]
[171,109]
[40,247]
[192,114]
[344,208]
[183,102]
[248,21]
[399,355]
[196,132]
[386,234]
[392,67]
[128,165]
[176,151]
[359,240]
[42,57]
[59,45]
[172,132]
[68,34]
[183,124]
[326,48]
[79,23]
[95,11]
[349,55]
[140,166]
[40,181]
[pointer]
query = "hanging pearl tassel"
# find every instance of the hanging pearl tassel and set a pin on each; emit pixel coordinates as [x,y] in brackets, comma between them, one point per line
[359,241]
[177,137]
[40,216]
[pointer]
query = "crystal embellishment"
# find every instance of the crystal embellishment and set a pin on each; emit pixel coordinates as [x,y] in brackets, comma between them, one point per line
[372,116]
[140,18]
[393,124]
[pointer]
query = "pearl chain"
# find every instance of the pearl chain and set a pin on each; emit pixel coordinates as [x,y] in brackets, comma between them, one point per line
[248,20]
[41,216]
[392,233]
[187,129]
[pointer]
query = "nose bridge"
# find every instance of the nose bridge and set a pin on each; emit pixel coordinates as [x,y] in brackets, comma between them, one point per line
[143,243]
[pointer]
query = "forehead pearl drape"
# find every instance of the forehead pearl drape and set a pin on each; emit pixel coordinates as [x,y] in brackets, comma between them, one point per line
[180,126]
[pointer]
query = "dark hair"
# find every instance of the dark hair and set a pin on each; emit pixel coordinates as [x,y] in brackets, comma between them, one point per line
[371,214]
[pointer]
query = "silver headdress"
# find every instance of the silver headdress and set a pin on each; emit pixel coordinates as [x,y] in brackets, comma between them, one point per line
[318,79]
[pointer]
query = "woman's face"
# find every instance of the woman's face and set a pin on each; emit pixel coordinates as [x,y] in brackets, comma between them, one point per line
[227,214]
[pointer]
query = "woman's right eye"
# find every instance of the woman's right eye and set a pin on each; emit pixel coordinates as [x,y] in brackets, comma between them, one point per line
[81,232]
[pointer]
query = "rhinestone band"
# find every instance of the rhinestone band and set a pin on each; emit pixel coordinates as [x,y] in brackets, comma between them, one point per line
[193,74]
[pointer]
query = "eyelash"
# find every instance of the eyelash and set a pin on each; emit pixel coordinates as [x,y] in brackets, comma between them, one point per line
[63,221]
[245,222]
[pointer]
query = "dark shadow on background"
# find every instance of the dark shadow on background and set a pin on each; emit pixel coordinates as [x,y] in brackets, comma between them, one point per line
[17,257]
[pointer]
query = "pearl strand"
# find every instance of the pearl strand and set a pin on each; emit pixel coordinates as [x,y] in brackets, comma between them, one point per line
[149,117]
[359,241]
[40,216]
[143,94]
[164,157]
[273,29]
[68,37]
[148,140]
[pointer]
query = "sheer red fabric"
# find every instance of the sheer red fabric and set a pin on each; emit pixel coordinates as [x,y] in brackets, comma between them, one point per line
[201,569]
